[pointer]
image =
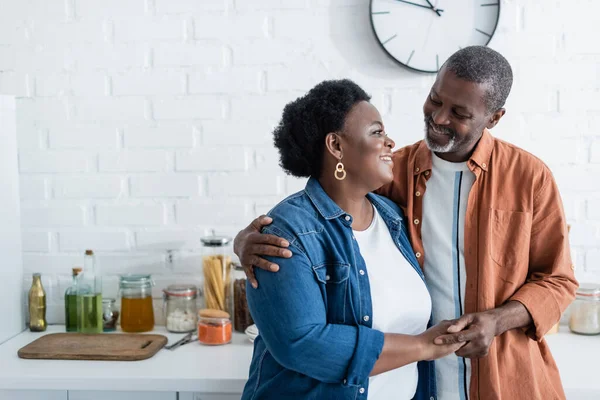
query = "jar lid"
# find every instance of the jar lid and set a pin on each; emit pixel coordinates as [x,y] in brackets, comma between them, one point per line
[134,281]
[215,240]
[181,290]
[589,290]
[214,321]
[108,300]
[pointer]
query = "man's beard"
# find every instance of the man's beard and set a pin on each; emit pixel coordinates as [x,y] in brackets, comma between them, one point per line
[437,148]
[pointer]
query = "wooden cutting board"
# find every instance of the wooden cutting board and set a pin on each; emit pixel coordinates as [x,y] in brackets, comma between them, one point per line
[95,346]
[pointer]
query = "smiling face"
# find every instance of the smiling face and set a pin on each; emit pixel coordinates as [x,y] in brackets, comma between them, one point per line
[366,149]
[455,116]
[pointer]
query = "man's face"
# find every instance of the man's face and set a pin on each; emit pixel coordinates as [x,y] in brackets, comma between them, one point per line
[455,116]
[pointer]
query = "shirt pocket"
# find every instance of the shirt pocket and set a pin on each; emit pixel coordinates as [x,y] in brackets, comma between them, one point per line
[334,278]
[509,237]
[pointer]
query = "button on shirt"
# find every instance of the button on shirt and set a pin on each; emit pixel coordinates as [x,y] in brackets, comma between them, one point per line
[393,281]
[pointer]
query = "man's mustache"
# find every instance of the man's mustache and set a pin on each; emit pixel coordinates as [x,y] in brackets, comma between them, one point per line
[446,131]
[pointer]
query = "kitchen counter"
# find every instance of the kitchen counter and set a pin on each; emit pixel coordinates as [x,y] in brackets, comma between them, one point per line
[224,369]
[577,359]
[192,367]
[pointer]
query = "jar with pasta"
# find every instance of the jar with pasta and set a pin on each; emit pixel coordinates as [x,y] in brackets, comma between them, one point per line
[216,270]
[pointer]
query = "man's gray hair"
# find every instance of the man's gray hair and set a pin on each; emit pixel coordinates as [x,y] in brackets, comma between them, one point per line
[480,64]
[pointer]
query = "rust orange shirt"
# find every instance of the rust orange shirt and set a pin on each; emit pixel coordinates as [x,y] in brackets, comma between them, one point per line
[516,248]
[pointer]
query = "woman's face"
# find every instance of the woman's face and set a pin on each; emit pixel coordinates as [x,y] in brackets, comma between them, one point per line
[366,149]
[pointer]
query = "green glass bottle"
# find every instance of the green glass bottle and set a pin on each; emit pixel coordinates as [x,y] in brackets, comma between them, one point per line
[71,303]
[89,297]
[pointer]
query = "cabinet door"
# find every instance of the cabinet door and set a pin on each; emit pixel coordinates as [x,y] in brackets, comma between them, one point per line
[209,396]
[108,395]
[33,394]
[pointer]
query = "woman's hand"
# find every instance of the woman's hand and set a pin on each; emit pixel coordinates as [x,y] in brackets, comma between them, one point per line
[432,351]
[249,245]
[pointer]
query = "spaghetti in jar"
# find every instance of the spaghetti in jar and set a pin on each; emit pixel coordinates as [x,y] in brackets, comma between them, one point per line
[216,270]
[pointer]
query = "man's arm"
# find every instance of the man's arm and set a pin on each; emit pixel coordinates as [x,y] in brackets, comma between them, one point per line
[551,283]
[549,289]
[481,328]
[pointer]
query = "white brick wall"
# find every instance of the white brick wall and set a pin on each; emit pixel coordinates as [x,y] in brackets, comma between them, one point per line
[143,123]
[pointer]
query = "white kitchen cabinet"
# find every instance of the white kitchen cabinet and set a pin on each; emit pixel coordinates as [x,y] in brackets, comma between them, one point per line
[11,270]
[33,395]
[109,395]
[209,396]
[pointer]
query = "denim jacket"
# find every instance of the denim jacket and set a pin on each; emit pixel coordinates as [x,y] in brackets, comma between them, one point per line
[314,316]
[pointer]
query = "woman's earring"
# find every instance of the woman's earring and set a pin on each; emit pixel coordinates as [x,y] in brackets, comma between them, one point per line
[339,169]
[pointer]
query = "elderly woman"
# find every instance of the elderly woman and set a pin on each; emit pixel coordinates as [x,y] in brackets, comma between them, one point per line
[346,316]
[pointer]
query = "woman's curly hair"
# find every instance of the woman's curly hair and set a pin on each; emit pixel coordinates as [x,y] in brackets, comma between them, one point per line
[300,135]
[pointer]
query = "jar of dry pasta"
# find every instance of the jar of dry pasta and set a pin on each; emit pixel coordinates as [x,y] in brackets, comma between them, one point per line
[216,270]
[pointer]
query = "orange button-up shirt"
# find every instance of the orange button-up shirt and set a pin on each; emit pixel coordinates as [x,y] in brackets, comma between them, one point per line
[515,247]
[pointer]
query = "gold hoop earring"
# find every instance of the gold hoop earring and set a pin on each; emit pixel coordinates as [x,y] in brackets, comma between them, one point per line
[339,169]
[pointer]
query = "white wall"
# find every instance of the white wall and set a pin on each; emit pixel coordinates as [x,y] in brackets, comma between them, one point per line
[143,122]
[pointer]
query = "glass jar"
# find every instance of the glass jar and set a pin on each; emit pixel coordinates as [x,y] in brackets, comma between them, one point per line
[137,312]
[241,313]
[180,309]
[585,310]
[216,269]
[110,314]
[214,327]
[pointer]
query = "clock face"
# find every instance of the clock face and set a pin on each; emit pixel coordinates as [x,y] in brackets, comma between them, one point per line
[422,34]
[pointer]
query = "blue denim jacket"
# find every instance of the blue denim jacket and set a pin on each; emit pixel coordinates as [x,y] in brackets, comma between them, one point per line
[314,316]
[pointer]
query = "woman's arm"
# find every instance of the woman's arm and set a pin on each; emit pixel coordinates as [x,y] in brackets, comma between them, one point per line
[289,311]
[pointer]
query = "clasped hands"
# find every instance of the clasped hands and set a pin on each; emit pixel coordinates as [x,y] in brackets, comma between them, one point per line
[477,331]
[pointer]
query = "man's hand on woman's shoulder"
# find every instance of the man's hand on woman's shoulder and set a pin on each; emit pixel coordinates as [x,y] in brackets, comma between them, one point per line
[250,245]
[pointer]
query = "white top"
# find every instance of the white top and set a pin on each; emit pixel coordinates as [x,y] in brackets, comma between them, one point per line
[444,209]
[401,303]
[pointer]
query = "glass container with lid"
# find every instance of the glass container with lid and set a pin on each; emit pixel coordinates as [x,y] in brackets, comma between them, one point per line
[241,313]
[585,310]
[214,327]
[216,269]
[110,314]
[137,311]
[180,309]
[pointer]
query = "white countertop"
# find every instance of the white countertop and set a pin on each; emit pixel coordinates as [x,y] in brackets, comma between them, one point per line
[577,358]
[190,368]
[224,369]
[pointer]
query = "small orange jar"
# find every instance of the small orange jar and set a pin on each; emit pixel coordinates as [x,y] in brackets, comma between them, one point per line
[214,327]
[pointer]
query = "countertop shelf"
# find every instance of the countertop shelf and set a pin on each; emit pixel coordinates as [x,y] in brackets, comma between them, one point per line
[192,367]
[224,369]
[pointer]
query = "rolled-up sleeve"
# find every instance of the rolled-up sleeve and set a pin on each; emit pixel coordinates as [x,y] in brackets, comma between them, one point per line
[551,282]
[289,311]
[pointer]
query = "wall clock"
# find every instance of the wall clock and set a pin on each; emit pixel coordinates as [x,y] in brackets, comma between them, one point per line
[422,34]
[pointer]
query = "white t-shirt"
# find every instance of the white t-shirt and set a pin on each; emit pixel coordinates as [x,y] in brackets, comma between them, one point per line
[444,210]
[401,304]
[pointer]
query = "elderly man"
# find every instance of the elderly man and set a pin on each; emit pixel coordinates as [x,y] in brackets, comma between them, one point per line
[488,228]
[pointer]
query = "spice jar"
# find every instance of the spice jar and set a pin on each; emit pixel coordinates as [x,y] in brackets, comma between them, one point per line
[179,306]
[585,310]
[110,314]
[216,268]
[214,327]
[241,313]
[137,312]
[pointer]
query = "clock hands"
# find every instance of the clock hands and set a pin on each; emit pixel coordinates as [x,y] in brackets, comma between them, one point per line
[436,10]
[429,7]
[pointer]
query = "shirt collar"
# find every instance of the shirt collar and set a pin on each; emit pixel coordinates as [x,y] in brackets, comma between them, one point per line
[480,157]
[322,202]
